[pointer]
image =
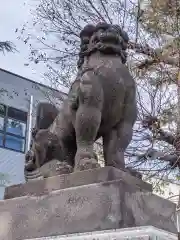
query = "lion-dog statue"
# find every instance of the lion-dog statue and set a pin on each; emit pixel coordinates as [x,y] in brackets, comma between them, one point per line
[44,156]
[101,103]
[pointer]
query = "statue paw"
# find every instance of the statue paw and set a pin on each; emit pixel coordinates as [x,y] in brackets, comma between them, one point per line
[30,166]
[64,168]
[29,161]
[33,175]
[86,164]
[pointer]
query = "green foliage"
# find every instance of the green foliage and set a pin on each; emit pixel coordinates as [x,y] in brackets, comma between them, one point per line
[178,177]
[161,16]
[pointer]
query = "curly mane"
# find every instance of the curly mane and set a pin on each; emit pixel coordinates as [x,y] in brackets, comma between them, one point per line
[106,38]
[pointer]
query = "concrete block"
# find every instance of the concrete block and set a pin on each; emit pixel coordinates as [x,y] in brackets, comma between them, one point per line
[45,186]
[94,207]
[136,233]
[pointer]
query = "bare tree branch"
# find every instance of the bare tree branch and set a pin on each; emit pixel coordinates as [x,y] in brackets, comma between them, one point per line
[7,46]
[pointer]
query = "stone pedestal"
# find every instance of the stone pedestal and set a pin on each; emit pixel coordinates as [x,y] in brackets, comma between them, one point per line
[136,233]
[100,175]
[96,200]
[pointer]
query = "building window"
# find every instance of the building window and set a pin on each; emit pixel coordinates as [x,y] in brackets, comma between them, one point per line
[13,123]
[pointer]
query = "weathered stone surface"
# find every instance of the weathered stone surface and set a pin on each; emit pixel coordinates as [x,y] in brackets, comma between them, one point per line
[41,187]
[136,233]
[99,206]
[49,169]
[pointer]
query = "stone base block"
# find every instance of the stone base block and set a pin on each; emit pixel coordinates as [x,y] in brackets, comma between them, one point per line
[137,233]
[41,187]
[94,207]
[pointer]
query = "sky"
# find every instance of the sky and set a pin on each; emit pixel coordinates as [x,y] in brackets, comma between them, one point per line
[13,14]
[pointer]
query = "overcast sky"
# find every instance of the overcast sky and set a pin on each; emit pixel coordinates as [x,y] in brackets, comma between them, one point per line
[13,14]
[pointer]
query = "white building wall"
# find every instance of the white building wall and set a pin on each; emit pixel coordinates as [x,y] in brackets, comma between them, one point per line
[11,163]
[16,93]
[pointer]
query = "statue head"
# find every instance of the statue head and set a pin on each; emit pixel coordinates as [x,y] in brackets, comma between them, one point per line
[103,37]
[85,36]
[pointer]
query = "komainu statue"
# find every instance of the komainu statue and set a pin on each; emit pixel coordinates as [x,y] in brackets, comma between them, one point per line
[49,153]
[105,96]
[101,102]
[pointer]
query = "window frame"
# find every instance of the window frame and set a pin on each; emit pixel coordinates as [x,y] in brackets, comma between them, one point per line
[5,133]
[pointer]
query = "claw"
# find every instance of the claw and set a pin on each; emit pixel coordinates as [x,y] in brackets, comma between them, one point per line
[64,168]
[86,164]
